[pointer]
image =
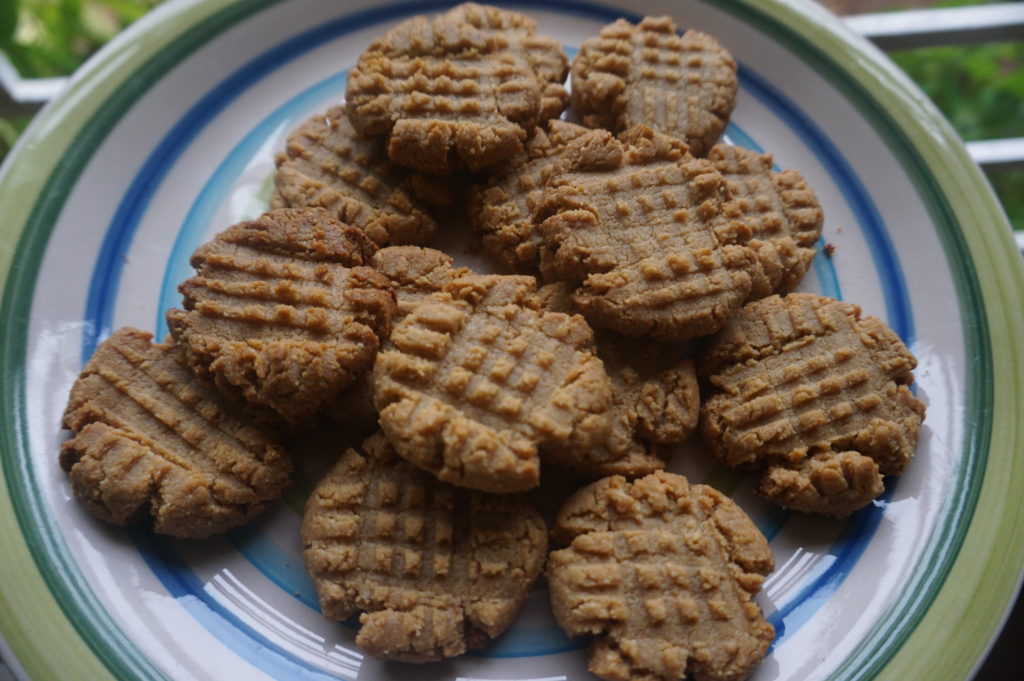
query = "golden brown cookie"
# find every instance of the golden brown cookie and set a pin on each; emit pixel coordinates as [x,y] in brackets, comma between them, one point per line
[149,438]
[647,74]
[477,378]
[815,397]
[327,164]
[782,212]
[662,573]
[463,88]
[635,224]
[501,207]
[655,400]
[284,310]
[436,569]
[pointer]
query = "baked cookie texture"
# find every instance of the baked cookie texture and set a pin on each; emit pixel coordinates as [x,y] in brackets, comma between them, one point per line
[815,397]
[517,33]
[655,400]
[477,378]
[414,272]
[647,74]
[501,206]
[149,439]
[780,209]
[436,569]
[636,224]
[462,89]
[662,573]
[284,310]
[327,164]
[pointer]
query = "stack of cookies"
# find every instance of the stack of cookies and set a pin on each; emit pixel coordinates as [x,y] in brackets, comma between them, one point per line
[647,296]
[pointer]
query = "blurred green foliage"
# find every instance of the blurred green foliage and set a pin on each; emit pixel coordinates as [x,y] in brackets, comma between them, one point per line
[52,37]
[980,88]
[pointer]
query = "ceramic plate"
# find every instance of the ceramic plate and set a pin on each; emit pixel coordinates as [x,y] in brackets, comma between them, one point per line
[168,136]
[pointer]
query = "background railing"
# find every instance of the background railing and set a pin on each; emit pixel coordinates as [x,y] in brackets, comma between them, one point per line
[1000,22]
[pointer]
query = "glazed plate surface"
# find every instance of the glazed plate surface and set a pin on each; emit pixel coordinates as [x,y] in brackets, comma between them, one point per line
[169,135]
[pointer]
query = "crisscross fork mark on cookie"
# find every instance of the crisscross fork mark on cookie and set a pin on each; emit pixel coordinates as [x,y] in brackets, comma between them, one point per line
[636,224]
[814,395]
[782,212]
[436,568]
[647,74]
[327,164]
[284,310]
[662,574]
[446,93]
[517,32]
[502,207]
[148,437]
[479,378]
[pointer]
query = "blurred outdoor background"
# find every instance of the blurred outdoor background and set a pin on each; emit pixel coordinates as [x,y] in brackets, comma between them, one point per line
[980,88]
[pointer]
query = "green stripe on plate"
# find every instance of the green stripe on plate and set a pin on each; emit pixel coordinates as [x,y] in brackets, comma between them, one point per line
[54,604]
[33,624]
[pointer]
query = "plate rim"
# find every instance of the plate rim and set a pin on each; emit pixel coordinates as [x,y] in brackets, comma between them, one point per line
[937,148]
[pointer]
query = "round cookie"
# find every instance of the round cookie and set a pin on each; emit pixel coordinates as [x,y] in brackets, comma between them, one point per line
[646,74]
[501,206]
[780,209]
[149,438]
[327,164]
[635,225]
[815,397]
[477,378]
[284,310]
[461,89]
[662,573]
[436,569]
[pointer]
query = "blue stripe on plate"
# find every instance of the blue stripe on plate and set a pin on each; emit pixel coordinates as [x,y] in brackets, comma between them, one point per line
[168,566]
[182,583]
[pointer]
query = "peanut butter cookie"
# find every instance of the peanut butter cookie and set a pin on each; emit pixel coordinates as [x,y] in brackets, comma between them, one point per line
[501,207]
[647,74]
[436,569]
[284,310]
[815,397]
[416,273]
[655,400]
[662,573]
[782,212]
[635,225]
[464,88]
[477,378]
[149,438]
[327,164]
